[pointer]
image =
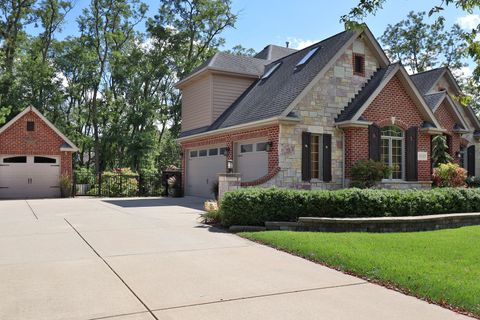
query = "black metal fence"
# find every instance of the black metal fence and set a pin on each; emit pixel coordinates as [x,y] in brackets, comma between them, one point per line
[118,185]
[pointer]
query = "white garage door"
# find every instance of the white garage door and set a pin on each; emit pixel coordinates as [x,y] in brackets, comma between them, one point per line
[203,167]
[252,160]
[29,177]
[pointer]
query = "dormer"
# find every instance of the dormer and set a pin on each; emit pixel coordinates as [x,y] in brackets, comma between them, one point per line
[212,87]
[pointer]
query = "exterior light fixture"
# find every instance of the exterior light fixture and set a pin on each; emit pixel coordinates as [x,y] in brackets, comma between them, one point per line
[229,166]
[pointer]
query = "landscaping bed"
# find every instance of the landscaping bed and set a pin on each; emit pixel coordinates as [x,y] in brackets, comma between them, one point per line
[255,206]
[438,266]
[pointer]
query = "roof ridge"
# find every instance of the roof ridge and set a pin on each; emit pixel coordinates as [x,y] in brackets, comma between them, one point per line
[431,70]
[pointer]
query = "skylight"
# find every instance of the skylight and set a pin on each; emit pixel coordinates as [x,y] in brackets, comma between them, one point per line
[307,56]
[270,71]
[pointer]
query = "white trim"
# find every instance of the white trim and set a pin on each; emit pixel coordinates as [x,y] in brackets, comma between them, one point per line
[433,131]
[73,148]
[353,124]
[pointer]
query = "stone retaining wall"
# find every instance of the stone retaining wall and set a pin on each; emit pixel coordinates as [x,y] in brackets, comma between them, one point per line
[387,224]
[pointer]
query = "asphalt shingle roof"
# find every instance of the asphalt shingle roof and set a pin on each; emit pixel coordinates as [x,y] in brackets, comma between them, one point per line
[273,52]
[433,99]
[425,80]
[270,97]
[233,63]
[362,96]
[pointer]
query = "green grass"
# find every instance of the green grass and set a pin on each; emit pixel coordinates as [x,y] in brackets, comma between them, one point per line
[442,266]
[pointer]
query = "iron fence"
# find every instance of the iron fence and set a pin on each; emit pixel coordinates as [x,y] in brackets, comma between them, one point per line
[118,185]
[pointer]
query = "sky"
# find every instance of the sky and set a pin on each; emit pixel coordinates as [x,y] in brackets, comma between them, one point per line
[301,22]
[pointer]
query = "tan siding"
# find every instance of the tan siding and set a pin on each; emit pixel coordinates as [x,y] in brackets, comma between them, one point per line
[197,104]
[226,89]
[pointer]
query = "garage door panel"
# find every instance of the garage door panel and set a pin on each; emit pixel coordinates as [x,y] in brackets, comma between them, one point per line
[29,180]
[251,163]
[202,173]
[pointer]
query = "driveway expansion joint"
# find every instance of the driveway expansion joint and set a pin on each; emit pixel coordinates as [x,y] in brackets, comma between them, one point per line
[262,296]
[31,209]
[113,270]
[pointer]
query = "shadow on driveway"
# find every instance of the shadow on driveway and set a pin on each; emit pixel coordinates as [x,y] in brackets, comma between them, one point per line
[187,202]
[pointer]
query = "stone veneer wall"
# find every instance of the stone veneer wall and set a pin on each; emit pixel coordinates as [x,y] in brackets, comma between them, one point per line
[318,110]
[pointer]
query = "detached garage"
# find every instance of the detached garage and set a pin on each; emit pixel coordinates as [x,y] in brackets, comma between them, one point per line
[34,154]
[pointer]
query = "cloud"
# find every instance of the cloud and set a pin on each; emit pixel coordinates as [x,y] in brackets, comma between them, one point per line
[469,22]
[463,73]
[299,43]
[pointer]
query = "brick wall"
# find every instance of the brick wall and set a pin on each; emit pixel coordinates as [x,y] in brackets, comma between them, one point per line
[445,117]
[16,140]
[269,132]
[393,101]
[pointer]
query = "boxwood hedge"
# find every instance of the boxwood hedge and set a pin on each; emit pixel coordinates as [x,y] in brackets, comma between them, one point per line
[254,206]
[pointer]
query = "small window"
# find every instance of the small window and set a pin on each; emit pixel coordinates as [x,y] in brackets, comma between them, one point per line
[223,151]
[261,146]
[15,160]
[358,64]
[244,148]
[193,154]
[44,160]
[202,153]
[271,70]
[213,152]
[307,57]
[30,126]
[316,154]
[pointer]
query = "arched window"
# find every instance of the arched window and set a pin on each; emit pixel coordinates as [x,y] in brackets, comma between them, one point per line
[392,151]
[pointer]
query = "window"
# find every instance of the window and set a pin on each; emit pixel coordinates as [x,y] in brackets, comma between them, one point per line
[202,153]
[44,160]
[307,57]
[316,156]
[244,148]
[15,160]
[271,70]
[193,154]
[358,64]
[223,151]
[213,152]
[462,154]
[392,151]
[261,146]
[30,126]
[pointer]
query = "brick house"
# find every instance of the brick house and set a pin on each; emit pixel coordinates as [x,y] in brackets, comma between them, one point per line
[34,154]
[301,119]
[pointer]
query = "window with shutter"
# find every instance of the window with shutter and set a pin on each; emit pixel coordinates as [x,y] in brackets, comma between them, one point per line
[316,156]
[374,142]
[391,151]
[412,156]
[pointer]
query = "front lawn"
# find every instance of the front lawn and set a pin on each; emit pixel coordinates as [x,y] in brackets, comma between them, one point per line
[441,266]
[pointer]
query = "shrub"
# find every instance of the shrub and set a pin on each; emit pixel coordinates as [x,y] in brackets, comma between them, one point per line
[473,182]
[212,214]
[214,189]
[368,173]
[254,206]
[449,175]
[65,186]
[121,182]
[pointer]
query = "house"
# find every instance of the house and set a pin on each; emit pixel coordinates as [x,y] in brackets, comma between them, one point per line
[33,156]
[301,119]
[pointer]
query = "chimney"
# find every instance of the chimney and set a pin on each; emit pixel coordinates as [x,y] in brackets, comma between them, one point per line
[287,43]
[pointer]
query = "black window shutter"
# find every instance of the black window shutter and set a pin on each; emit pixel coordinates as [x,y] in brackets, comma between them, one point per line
[412,156]
[471,160]
[374,142]
[306,161]
[327,157]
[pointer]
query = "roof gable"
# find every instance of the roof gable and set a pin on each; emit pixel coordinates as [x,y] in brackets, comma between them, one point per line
[69,146]
[435,100]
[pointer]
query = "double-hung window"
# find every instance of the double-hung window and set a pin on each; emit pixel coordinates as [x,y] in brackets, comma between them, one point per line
[392,150]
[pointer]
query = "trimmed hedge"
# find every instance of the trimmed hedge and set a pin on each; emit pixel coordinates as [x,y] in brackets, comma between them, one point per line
[254,206]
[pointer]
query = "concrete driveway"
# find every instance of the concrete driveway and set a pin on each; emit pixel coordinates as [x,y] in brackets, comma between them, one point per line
[139,259]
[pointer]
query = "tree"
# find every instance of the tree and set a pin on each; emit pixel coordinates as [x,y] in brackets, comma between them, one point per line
[440,151]
[240,50]
[411,42]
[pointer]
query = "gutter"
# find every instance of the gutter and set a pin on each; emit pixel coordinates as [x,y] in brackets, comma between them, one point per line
[249,125]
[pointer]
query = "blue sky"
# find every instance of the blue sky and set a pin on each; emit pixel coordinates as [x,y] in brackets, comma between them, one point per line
[301,22]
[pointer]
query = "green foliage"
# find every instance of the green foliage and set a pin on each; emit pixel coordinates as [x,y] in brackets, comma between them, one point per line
[254,206]
[213,217]
[368,173]
[449,175]
[441,266]
[65,186]
[121,182]
[440,151]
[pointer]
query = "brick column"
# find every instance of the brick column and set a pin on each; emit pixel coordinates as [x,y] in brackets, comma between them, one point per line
[228,182]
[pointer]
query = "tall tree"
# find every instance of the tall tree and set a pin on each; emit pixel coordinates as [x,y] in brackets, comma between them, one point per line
[411,42]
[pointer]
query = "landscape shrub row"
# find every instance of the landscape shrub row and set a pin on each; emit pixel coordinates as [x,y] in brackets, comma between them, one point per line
[254,206]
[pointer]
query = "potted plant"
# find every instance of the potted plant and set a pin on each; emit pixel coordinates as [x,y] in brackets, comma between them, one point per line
[174,189]
[65,186]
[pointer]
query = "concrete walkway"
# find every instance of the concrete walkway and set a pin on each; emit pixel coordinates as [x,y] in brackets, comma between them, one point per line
[139,259]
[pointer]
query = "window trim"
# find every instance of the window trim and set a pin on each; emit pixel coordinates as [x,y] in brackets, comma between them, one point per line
[254,146]
[319,156]
[270,71]
[307,57]
[354,64]
[207,149]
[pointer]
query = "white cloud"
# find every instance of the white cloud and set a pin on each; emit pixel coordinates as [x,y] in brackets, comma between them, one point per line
[469,22]
[464,72]
[298,43]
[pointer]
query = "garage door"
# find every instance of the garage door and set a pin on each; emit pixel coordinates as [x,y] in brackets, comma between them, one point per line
[252,160]
[29,177]
[203,167]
